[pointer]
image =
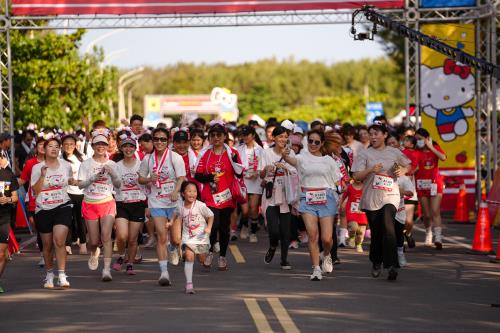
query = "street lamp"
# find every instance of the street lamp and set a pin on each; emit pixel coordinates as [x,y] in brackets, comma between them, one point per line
[123,81]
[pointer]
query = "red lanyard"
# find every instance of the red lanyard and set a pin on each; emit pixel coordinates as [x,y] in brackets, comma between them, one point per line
[157,167]
[208,159]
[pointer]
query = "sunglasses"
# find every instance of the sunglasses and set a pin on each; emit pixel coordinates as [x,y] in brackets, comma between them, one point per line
[216,134]
[314,142]
[157,139]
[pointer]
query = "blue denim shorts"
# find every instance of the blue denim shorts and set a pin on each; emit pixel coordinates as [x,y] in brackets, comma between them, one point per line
[162,212]
[324,210]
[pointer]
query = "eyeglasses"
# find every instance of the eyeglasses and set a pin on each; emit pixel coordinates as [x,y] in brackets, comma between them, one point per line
[216,134]
[314,142]
[157,139]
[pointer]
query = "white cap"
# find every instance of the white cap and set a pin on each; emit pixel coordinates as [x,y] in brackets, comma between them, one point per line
[99,138]
[298,129]
[287,124]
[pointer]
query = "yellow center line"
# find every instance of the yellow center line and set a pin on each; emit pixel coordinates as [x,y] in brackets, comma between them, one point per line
[258,316]
[283,316]
[235,251]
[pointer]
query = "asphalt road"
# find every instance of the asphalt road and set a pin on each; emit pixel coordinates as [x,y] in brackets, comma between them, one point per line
[446,291]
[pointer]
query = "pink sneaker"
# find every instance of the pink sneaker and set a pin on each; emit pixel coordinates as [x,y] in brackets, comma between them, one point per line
[117,265]
[130,270]
[368,233]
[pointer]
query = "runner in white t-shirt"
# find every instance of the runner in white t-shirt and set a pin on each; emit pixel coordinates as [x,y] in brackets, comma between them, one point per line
[163,171]
[97,177]
[196,220]
[53,213]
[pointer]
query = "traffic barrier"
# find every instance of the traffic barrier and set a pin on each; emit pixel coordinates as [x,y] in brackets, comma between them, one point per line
[482,234]
[461,210]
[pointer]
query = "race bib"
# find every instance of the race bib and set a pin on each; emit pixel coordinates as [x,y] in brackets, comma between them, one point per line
[434,189]
[424,184]
[52,197]
[132,195]
[101,188]
[355,207]
[317,197]
[166,189]
[222,197]
[383,182]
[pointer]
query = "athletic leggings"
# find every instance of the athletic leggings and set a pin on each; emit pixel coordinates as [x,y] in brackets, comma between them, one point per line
[278,226]
[78,229]
[400,237]
[383,236]
[222,222]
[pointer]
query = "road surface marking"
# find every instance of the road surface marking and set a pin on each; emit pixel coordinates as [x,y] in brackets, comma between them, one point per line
[258,316]
[283,316]
[235,251]
[449,240]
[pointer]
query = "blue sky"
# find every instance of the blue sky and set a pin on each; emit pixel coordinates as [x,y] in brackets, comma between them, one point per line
[159,47]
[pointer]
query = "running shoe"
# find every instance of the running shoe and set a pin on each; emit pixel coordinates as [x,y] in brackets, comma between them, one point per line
[151,243]
[368,234]
[402,259]
[327,265]
[285,265]
[409,240]
[233,236]
[303,237]
[63,280]
[253,238]
[269,255]
[359,248]
[393,274]
[130,270]
[244,232]
[93,262]
[294,245]
[138,258]
[68,250]
[164,279]
[173,255]
[376,270]
[208,260]
[117,265]
[106,275]
[49,281]
[316,275]
[189,289]
[222,264]
[41,263]
[217,247]
[83,248]
[438,240]
[351,242]
[428,238]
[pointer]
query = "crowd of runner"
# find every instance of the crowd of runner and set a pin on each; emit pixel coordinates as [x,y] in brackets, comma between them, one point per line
[189,191]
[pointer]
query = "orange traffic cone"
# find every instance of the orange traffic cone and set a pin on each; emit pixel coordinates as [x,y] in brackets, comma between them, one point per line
[461,210]
[482,234]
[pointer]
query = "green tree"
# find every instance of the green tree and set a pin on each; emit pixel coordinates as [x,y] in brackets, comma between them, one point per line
[53,85]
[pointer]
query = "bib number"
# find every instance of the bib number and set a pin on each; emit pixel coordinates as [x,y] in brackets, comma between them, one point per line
[316,197]
[100,188]
[382,182]
[355,208]
[222,197]
[434,189]
[424,184]
[166,189]
[131,195]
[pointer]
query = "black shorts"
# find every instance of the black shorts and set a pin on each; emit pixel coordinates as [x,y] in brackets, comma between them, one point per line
[411,202]
[132,211]
[45,220]
[4,232]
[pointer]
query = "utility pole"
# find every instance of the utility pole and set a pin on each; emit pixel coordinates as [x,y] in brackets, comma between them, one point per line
[123,81]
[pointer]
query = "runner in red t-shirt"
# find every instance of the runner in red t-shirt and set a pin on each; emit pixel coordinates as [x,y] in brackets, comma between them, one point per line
[430,185]
[356,219]
[409,144]
[216,172]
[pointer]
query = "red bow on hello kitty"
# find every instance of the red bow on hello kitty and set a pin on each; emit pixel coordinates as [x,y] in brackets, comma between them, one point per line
[451,67]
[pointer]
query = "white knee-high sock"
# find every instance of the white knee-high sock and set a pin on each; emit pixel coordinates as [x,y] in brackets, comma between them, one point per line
[188,271]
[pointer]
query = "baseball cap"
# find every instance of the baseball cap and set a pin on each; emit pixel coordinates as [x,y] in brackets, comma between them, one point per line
[246,130]
[100,138]
[181,136]
[298,129]
[5,136]
[287,124]
[295,140]
[128,140]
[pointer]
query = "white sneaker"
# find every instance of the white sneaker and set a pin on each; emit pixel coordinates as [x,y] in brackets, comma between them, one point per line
[253,238]
[327,265]
[93,262]
[63,280]
[402,259]
[216,247]
[359,248]
[428,238]
[41,263]
[49,281]
[106,275]
[304,238]
[173,255]
[151,243]
[294,245]
[244,232]
[68,250]
[208,260]
[316,275]
[164,279]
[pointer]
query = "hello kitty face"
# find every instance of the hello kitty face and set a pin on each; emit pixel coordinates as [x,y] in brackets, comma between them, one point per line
[129,180]
[55,180]
[445,91]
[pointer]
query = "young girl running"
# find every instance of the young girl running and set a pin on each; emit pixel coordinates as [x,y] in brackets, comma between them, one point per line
[97,176]
[130,202]
[356,219]
[196,220]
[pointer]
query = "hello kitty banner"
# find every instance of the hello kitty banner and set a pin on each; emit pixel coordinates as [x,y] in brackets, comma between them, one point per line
[447,90]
